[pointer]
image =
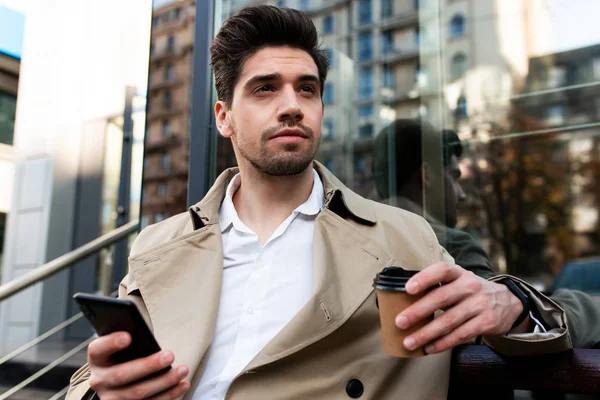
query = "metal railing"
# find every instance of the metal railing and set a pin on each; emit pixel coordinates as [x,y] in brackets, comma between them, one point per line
[17,285]
[66,260]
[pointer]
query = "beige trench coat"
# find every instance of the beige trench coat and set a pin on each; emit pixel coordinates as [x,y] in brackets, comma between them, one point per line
[175,279]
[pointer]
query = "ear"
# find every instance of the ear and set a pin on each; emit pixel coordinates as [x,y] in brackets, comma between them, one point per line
[222,119]
[425,175]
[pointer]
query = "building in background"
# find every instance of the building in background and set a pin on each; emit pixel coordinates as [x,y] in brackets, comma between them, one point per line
[388,63]
[67,144]
[168,121]
[11,43]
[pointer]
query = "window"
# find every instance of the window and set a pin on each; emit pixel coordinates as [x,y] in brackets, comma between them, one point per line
[167,101]
[365,131]
[330,57]
[359,164]
[165,162]
[365,83]
[388,77]
[387,8]
[461,107]
[387,42]
[328,24]
[364,12]
[158,217]
[166,128]
[162,190]
[304,4]
[458,66]
[596,68]
[328,129]
[171,44]
[8,112]
[556,76]
[169,72]
[422,77]
[152,48]
[365,111]
[175,13]
[365,46]
[457,26]
[154,21]
[329,94]
[330,164]
[281,3]
[555,115]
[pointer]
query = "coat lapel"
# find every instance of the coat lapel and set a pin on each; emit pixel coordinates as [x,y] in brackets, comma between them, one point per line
[180,284]
[345,263]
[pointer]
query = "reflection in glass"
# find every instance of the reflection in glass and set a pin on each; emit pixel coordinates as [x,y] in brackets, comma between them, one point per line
[525,108]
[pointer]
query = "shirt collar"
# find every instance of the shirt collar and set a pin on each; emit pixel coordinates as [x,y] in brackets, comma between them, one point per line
[228,214]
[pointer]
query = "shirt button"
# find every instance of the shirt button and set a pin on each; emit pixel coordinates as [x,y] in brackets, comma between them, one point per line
[259,264]
[250,310]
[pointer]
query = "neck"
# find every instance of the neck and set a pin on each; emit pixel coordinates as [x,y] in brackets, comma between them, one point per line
[263,202]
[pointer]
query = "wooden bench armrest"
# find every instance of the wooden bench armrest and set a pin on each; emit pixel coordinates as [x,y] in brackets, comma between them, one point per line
[574,371]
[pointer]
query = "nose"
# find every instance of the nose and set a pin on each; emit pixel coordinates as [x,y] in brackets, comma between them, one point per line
[290,108]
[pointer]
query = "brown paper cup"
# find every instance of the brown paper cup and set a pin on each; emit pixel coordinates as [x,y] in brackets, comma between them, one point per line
[392,303]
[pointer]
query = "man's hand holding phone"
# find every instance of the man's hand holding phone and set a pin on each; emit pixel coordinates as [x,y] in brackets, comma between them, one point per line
[113,381]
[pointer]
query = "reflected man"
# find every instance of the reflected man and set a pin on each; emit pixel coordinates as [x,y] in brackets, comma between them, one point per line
[405,180]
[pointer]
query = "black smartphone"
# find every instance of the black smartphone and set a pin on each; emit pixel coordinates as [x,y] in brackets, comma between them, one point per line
[108,315]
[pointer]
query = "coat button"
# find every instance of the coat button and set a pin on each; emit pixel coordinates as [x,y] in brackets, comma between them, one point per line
[354,388]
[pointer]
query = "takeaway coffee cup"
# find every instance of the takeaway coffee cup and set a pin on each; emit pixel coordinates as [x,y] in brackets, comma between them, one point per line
[390,285]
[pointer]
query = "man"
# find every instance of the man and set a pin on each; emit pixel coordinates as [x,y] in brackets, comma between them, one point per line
[414,179]
[264,289]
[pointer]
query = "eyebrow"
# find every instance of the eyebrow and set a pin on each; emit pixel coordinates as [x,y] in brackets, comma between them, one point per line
[272,77]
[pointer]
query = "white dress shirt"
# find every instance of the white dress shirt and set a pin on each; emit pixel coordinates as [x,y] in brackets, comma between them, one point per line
[263,287]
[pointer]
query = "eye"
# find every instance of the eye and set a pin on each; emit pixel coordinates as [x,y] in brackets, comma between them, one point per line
[264,88]
[307,89]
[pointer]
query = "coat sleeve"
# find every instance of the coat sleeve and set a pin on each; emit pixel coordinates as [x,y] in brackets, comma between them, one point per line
[583,313]
[556,338]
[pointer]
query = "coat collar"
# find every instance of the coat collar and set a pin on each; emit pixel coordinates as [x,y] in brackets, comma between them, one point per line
[338,198]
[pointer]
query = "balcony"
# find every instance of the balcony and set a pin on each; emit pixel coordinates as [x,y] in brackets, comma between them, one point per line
[166,54]
[396,56]
[164,112]
[326,7]
[401,20]
[165,84]
[163,27]
[162,144]
[157,174]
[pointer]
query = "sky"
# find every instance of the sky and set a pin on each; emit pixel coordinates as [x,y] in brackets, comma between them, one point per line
[12,25]
[574,23]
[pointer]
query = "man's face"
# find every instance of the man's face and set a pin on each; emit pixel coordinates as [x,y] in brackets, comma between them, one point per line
[275,118]
[453,191]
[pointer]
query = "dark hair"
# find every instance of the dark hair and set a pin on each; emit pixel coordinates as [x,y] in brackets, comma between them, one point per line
[255,28]
[399,148]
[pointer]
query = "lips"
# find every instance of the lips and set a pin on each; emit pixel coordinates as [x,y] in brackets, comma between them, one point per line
[290,133]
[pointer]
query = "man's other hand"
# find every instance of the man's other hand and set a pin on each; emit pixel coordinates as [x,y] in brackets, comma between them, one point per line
[473,306]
